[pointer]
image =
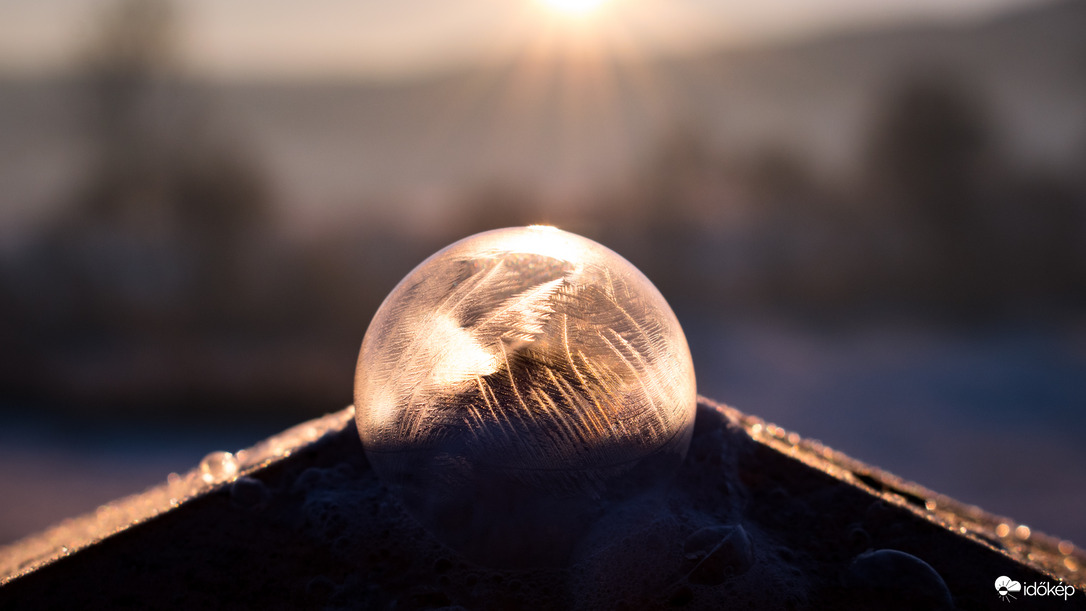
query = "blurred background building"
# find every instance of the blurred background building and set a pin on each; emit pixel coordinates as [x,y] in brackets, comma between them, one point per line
[871,220]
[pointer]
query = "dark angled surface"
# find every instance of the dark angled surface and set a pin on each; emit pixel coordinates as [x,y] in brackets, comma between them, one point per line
[757,519]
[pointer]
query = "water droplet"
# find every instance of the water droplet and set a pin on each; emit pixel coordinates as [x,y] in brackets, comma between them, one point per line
[248,492]
[1022,532]
[1003,529]
[888,577]
[517,375]
[218,467]
[243,458]
[720,552]
[1066,547]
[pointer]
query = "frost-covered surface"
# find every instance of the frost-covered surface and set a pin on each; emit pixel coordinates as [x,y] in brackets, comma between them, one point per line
[990,414]
[214,470]
[757,518]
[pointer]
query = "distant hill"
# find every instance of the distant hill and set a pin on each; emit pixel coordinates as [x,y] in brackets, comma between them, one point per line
[331,146]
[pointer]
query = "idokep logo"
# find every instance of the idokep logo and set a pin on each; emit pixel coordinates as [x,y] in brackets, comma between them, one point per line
[1006,588]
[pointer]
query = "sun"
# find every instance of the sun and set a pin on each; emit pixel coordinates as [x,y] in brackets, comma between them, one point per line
[573,8]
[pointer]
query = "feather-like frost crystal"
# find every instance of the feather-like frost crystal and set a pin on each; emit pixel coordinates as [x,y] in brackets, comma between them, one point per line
[517,377]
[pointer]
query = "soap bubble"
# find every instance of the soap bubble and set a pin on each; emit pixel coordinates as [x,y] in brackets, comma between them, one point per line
[516,381]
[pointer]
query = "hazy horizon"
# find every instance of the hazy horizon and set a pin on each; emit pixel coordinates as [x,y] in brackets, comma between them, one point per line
[279,40]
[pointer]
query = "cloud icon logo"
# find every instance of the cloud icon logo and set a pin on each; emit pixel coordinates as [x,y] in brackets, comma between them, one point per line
[1005,586]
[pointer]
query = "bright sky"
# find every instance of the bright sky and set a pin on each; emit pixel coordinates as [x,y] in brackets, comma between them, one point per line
[296,37]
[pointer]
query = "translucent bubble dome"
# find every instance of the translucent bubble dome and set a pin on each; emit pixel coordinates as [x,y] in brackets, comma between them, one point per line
[513,379]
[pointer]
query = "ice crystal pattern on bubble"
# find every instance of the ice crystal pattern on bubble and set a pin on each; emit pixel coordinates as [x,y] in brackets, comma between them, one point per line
[529,352]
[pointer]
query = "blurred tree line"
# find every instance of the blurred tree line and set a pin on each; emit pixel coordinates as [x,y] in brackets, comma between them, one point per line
[169,289]
[939,221]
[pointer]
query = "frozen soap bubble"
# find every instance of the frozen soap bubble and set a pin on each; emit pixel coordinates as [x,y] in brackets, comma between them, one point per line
[515,382]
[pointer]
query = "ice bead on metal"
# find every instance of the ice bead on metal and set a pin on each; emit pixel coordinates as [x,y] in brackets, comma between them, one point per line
[515,380]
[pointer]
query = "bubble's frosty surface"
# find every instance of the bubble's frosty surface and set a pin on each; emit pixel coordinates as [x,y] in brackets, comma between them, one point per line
[529,365]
